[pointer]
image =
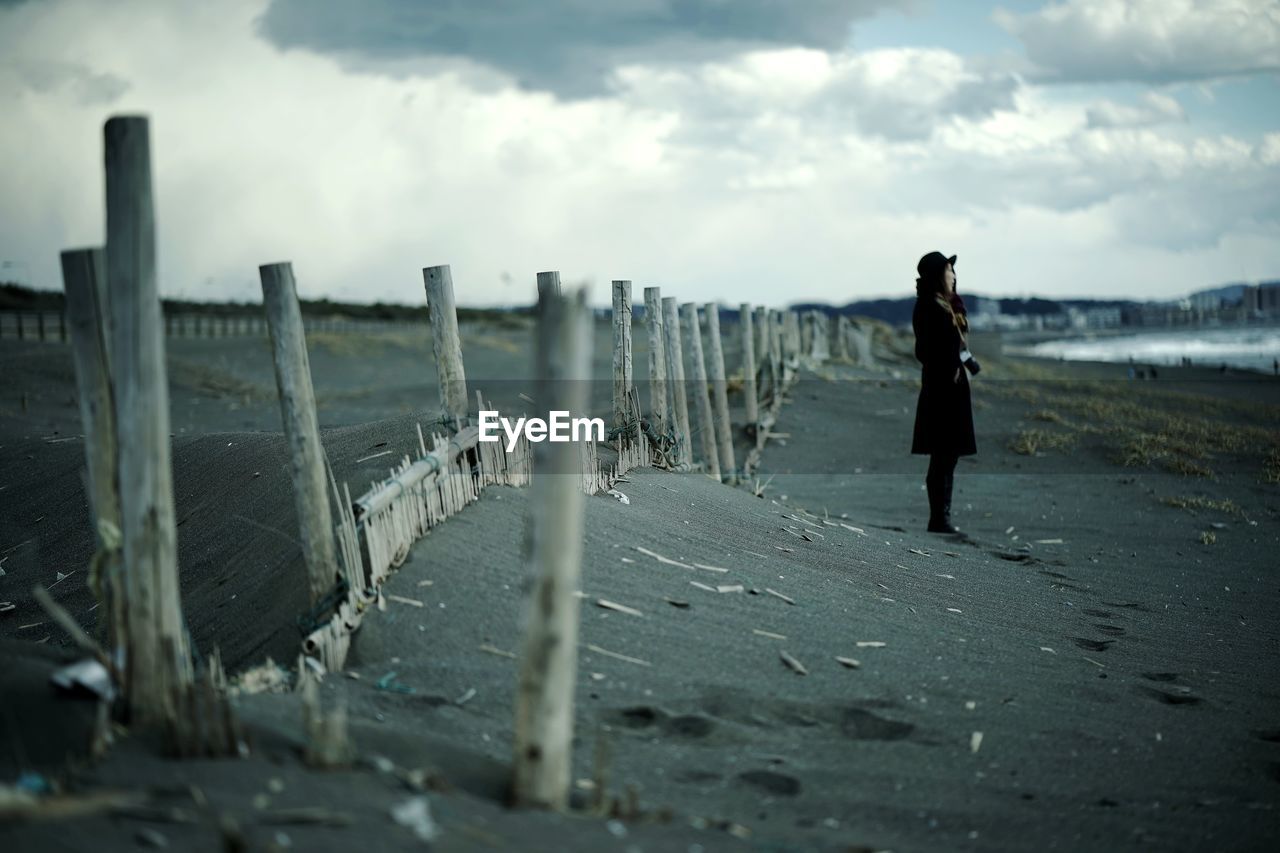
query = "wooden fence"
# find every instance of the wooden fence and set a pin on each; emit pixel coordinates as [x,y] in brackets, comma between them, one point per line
[350,546]
[51,326]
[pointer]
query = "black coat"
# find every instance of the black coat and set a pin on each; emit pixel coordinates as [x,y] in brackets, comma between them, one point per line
[944,413]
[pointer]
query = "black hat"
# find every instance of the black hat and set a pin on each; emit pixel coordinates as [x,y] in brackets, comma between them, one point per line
[932,265]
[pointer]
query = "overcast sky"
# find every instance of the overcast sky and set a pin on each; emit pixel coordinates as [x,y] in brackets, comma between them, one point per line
[743,150]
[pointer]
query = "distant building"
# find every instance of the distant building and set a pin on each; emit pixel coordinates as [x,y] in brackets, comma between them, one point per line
[1263,298]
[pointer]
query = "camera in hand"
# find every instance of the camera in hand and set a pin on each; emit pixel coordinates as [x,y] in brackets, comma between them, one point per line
[970,363]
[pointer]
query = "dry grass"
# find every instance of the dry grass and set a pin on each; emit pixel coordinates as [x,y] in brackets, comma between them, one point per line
[1143,426]
[1271,466]
[1194,502]
[1030,442]
[1208,537]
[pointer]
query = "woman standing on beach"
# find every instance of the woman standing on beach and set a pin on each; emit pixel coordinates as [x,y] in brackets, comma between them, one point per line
[944,413]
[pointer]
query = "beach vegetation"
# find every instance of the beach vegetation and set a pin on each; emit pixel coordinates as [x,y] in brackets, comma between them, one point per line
[1271,466]
[1194,502]
[1030,442]
[1143,424]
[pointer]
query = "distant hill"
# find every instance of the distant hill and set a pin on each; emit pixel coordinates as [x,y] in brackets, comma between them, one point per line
[898,311]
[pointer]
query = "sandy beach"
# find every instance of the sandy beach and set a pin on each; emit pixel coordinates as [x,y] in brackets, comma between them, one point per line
[1094,666]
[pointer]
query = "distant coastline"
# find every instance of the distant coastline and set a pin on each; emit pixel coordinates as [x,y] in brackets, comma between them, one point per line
[1253,347]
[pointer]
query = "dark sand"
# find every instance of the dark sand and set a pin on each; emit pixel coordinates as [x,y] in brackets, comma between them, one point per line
[1124,681]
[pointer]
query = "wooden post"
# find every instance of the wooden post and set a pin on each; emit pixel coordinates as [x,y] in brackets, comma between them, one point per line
[806,333]
[791,338]
[701,397]
[775,347]
[720,395]
[751,401]
[548,285]
[301,427]
[84,281]
[762,337]
[621,353]
[819,350]
[675,378]
[62,325]
[835,338]
[21,335]
[657,361]
[447,344]
[157,658]
[549,663]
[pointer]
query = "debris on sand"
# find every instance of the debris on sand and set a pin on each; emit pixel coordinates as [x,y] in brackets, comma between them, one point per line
[795,665]
[415,815]
[850,663]
[616,656]
[620,608]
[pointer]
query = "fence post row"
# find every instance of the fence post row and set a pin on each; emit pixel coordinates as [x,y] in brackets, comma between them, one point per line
[447,344]
[622,378]
[158,660]
[84,281]
[548,665]
[720,395]
[301,427]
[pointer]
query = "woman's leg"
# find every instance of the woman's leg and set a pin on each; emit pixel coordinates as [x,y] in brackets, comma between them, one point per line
[938,482]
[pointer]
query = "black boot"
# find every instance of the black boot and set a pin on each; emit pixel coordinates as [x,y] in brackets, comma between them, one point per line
[940,504]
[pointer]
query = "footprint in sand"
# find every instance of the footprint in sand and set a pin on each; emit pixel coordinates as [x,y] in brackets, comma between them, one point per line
[1097,614]
[690,726]
[778,784]
[1092,645]
[1112,630]
[1168,698]
[638,717]
[864,725]
[1129,605]
[1160,676]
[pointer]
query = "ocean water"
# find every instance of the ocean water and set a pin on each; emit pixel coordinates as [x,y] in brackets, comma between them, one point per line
[1250,348]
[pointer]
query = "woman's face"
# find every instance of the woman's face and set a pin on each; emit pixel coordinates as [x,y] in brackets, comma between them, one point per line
[949,280]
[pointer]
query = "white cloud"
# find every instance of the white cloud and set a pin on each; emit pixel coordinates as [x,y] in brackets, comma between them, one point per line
[1155,108]
[1153,41]
[770,176]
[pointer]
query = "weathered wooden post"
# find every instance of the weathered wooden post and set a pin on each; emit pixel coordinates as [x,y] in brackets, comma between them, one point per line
[447,344]
[301,427]
[676,379]
[806,333]
[62,325]
[835,338]
[701,396]
[657,361]
[21,334]
[776,349]
[746,328]
[819,350]
[549,662]
[621,354]
[720,395]
[84,281]
[791,338]
[157,658]
[548,285]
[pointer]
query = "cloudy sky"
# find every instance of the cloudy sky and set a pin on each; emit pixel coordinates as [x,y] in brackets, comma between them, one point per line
[761,150]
